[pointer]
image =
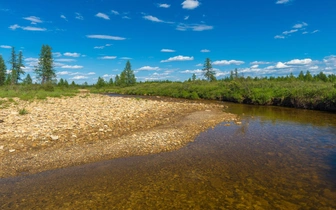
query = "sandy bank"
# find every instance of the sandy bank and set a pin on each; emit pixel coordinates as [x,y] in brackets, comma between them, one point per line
[62,132]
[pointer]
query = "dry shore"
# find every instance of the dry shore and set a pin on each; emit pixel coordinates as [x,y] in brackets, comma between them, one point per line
[63,132]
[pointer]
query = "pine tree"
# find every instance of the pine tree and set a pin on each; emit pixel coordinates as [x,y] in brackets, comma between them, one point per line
[117,80]
[209,73]
[110,82]
[3,70]
[13,67]
[45,70]
[100,83]
[19,66]
[28,80]
[127,76]
[193,77]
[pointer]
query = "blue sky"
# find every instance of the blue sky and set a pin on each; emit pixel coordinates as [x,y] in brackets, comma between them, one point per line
[170,39]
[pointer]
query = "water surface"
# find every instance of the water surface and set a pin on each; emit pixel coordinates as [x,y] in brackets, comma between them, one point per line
[279,158]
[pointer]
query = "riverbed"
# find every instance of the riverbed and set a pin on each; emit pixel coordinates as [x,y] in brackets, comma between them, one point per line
[277,158]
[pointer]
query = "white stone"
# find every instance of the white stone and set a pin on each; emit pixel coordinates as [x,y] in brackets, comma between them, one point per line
[54,138]
[12,150]
[1,147]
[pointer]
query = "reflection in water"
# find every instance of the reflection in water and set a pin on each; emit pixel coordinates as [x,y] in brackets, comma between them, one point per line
[277,159]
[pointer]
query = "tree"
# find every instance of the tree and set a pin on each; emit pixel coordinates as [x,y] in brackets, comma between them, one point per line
[127,76]
[100,83]
[209,73]
[3,70]
[13,67]
[111,82]
[193,77]
[61,82]
[45,70]
[19,66]
[117,80]
[28,80]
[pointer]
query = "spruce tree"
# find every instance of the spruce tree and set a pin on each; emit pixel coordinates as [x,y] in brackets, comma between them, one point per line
[193,77]
[209,73]
[28,80]
[45,71]
[19,66]
[13,64]
[3,70]
[127,76]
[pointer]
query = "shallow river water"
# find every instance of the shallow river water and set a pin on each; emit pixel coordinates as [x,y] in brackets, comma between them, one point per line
[279,158]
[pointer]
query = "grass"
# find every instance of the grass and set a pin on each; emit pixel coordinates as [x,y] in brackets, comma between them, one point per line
[23,111]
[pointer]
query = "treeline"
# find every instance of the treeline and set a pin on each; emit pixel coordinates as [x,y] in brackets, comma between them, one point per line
[45,72]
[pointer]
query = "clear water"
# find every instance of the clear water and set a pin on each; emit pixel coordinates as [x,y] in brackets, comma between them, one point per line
[278,158]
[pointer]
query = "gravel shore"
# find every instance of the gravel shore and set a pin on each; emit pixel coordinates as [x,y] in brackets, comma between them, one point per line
[63,132]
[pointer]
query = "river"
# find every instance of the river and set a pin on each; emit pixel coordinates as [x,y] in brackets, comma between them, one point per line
[278,158]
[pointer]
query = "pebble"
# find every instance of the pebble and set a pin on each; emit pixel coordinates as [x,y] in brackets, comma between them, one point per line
[54,138]
[2,147]
[11,150]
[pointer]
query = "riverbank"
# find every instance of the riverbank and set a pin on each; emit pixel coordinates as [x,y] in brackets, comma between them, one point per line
[62,132]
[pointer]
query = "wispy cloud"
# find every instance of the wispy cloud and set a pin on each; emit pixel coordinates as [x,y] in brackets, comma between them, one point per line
[196,71]
[105,37]
[57,54]
[290,32]
[178,58]
[167,50]
[26,28]
[71,67]
[279,37]
[76,55]
[186,17]
[79,16]
[205,51]
[125,58]
[5,46]
[190,4]
[108,57]
[115,12]
[259,63]
[282,1]
[103,46]
[148,68]
[33,19]
[63,17]
[315,31]
[226,62]
[79,77]
[164,5]
[102,15]
[193,27]
[155,19]
[300,25]
[65,60]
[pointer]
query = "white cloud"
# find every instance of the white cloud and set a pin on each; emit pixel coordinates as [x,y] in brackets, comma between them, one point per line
[5,46]
[167,50]
[79,77]
[126,17]
[199,64]
[71,67]
[79,16]
[190,4]
[125,58]
[193,27]
[63,73]
[315,31]
[149,68]
[259,63]
[305,32]
[196,71]
[300,25]
[254,66]
[279,37]
[102,15]
[313,68]
[63,17]
[76,55]
[26,28]
[99,47]
[91,73]
[164,5]
[281,65]
[65,60]
[282,1]
[226,62]
[33,19]
[300,62]
[29,28]
[330,60]
[105,37]
[108,57]
[14,27]
[290,32]
[186,17]
[155,19]
[178,58]
[115,12]
[57,54]
[205,51]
